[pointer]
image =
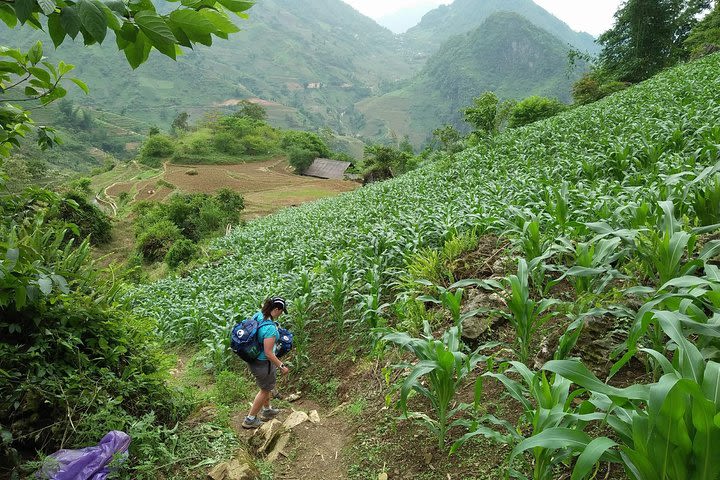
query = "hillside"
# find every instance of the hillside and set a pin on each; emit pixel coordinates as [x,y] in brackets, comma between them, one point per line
[507,54]
[590,199]
[285,48]
[464,15]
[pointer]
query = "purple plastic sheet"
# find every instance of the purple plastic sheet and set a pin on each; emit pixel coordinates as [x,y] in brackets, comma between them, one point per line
[91,463]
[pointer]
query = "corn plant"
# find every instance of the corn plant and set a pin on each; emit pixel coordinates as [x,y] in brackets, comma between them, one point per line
[444,368]
[338,291]
[549,415]
[526,315]
[706,203]
[301,307]
[593,269]
[453,300]
[667,430]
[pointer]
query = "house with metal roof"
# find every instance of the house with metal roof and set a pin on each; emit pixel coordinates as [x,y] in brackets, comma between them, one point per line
[326,168]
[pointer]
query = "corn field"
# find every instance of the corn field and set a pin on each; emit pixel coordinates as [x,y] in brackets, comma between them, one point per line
[625,191]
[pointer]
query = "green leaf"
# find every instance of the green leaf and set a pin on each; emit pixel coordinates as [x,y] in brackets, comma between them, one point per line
[20,297]
[137,52]
[24,9]
[7,15]
[553,439]
[221,21]
[112,20]
[590,456]
[92,19]
[55,29]
[40,74]
[81,84]
[11,257]
[70,21]
[45,284]
[35,54]
[194,25]
[580,375]
[236,6]
[157,32]
[47,6]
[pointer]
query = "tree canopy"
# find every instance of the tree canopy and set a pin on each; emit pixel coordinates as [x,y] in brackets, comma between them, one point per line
[648,35]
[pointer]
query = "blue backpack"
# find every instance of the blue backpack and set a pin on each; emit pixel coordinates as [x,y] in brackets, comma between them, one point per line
[286,342]
[244,338]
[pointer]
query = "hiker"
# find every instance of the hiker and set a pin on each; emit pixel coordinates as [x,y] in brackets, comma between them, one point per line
[265,367]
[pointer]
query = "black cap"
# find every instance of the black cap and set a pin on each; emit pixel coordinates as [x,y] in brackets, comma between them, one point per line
[279,302]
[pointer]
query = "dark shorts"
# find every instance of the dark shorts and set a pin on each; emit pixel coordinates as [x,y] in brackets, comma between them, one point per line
[265,374]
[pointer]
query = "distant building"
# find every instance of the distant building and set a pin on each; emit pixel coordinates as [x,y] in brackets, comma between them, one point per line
[314,86]
[326,168]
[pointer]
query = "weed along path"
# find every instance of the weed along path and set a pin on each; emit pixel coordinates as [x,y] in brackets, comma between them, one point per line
[304,442]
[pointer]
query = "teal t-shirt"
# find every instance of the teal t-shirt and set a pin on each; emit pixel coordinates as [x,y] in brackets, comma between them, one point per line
[266,330]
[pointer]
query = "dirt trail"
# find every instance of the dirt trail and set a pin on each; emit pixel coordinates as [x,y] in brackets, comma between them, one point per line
[315,451]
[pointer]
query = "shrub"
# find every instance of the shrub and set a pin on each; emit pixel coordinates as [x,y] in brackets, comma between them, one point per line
[257,145]
[89,219]
[181,251]
[301,159]
[533,109]
[308,141]
[155,242]
[155,148]
[226,142]
[229,200]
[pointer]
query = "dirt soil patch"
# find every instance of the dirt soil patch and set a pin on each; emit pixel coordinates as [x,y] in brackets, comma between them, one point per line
[267,186]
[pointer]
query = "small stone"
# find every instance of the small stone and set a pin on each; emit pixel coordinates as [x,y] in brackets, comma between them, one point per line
[314,417]
[295,419]
[383,476]
[294,397]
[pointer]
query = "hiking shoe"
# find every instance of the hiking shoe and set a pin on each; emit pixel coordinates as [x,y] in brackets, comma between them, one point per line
[269,413]
[252,423]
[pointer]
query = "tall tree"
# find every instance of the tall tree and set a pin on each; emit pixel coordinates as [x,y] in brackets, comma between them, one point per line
[648,36]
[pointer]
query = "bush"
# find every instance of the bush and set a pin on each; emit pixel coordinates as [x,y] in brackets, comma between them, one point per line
[301,159]
[90,220]
[228,143]
[230,200]
[182,250]
[533,109]
[155,241]
[155,148]
[592,87]
[297,140]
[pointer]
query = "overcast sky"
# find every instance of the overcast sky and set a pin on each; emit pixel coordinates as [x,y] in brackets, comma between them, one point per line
[592,16]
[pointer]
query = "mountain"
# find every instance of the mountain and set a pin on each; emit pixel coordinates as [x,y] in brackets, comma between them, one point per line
[285,49]
[507,54]
[323,64]
[464,15]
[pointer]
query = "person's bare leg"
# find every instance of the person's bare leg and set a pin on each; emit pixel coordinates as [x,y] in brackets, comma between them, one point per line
[262,398]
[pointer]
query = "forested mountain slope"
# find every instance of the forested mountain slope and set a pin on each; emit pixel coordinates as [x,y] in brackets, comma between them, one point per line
[507,54]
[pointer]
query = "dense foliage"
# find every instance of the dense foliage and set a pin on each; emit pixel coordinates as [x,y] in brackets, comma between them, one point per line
[163,230]
[75,361]
[648,35]
[605,197]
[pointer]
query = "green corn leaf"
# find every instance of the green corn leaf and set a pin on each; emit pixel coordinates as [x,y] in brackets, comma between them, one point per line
[580,375]
[590,456]
[553,439]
